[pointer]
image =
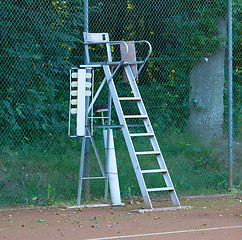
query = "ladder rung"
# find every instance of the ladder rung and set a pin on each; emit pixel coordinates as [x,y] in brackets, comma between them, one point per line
[154,171]
[98,117]
[129,98]
[141,134]
[135,125]
[160,189]
[91,178]
[135,116]
[148,152]
[105,126]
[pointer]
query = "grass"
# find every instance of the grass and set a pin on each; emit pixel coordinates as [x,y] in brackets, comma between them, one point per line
[47,171]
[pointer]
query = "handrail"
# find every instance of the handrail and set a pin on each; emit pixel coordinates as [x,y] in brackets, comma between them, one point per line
[112,43]
[146,59]
[127,50]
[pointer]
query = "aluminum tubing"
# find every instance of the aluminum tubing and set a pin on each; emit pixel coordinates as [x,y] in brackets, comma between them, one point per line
[111,167]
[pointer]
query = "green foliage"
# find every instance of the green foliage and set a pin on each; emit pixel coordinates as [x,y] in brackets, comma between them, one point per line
[38,41]
[50,196]
[41,40]
[236,191]
[179,36]
[199,26]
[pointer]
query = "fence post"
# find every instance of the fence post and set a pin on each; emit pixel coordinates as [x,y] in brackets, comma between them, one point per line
[86,16]
[87,147]
[230,92]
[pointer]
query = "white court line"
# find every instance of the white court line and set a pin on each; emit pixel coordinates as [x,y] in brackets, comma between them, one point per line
[165,233]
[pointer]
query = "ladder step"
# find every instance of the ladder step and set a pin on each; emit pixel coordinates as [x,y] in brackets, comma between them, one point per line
[154,171]
[129,98]
[135,116]
[160,189]
[148,152]
[141,134]
[135,125]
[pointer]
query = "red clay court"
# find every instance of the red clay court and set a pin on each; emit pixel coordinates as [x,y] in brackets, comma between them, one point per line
[206,218]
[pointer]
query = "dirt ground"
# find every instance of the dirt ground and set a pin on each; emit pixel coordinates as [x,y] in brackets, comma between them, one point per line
[207,218]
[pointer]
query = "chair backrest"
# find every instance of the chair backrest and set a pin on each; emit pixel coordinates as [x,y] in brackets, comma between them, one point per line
[131,57]
[97,38]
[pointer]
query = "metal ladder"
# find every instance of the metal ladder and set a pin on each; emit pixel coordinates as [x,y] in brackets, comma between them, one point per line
[149,133]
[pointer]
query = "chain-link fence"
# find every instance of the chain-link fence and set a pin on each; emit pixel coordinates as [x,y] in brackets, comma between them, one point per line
[184,86]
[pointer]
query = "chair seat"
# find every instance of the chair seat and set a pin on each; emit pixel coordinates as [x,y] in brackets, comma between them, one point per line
[100,108]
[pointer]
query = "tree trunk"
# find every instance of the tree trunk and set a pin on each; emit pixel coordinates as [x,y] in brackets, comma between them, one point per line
[206,97]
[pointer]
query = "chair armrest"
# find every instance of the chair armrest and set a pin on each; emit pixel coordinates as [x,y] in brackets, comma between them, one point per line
[146,59]
[112,43]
